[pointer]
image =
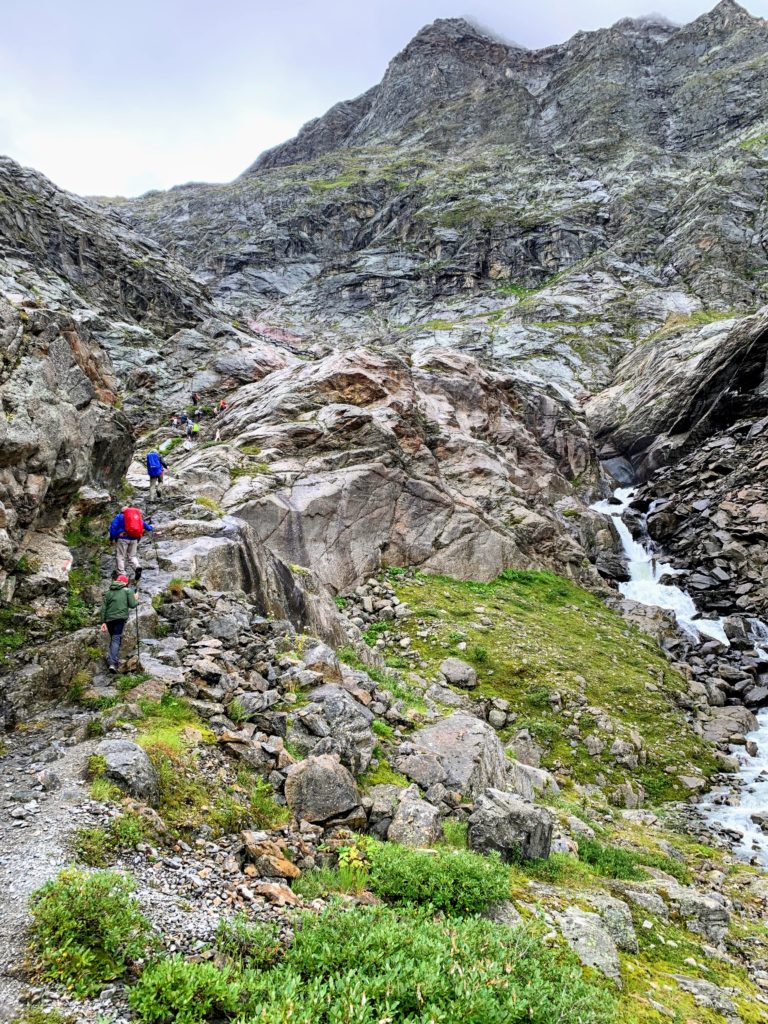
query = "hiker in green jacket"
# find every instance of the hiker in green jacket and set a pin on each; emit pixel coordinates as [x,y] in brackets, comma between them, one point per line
[115,609]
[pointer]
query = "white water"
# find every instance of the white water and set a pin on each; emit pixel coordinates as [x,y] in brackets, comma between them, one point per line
[645,571]
[752,796]
[751,799]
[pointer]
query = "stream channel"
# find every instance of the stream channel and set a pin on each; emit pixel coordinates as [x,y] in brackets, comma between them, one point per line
[730,808]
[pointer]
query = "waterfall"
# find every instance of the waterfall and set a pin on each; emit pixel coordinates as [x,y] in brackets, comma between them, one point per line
[645,572]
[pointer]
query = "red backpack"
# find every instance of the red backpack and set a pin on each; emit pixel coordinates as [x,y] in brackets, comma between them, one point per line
[134,523]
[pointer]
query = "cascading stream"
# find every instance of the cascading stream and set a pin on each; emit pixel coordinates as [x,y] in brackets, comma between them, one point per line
[734,809]
[646,571]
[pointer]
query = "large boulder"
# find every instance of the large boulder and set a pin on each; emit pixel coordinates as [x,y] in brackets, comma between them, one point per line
[511,826]
[320,789]
[334,722]
[126,764]
[464,747]
[416,823]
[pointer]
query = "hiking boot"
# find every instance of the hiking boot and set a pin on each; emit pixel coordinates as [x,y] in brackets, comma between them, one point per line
[113,668]
[138,574]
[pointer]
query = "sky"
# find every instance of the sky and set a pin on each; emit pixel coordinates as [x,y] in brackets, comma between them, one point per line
[116,97]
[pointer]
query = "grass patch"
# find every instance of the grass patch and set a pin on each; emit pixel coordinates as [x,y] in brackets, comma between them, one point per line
[551,636]
[209,503]
[86,930]
[383,774]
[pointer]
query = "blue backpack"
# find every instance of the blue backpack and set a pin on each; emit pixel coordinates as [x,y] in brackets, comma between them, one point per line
[154,465]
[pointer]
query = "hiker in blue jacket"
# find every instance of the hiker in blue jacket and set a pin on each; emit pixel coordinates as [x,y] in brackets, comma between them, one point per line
[127,529]
[156,466]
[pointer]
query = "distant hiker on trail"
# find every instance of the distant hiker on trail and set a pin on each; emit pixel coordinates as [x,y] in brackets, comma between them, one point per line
[196,398]
[127,529]
[156,466]
[199,413]
[223,405]
[189,428]
[115,609]
[195,431]
[174,420]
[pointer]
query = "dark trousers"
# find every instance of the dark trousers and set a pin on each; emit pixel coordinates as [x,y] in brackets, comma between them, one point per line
[115,629]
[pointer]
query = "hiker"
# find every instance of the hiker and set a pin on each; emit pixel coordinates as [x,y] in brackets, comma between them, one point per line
[223,405]
[115,609]
[195,431]
[196,398]
[189,428]
[199,413]
[174,420]
[156,466]
[127,529]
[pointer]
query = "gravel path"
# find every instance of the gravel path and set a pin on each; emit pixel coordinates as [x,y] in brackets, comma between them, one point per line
[34,825]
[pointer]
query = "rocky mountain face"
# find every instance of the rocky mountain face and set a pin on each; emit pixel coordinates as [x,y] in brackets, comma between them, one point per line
[446,319]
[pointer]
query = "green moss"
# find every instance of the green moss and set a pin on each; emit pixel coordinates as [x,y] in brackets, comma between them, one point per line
[552,641]
[383,774]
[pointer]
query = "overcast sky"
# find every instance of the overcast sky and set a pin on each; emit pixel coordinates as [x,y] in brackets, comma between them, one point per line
[117,97]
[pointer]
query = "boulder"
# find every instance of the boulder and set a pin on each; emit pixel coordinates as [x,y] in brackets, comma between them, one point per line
[467,749]
[335,723]
[416,823]
[130,768]
[529,782]
[590,940]
[617,920]
[320,789]
[510,825]
[458,673]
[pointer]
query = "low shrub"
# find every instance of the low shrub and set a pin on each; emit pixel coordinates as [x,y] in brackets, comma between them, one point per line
[174,991]
[248,943]
[373,964]
[87,929]
[98,847]
[455,881]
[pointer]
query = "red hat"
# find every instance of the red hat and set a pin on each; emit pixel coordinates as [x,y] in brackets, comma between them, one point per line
[122,579]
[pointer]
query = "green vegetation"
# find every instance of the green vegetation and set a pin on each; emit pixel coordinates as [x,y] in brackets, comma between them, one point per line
[174,991]
[249,469]
[86,930]
[677,322]
[756,142]
[248,943]
[369,965]
[13,634]
[210,504]
[383,774]
[36,1015]
[554,644]
[98,847]
[171,733]
[453,881]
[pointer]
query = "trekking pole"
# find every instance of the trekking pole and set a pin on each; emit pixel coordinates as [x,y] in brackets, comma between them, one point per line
[138,639]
